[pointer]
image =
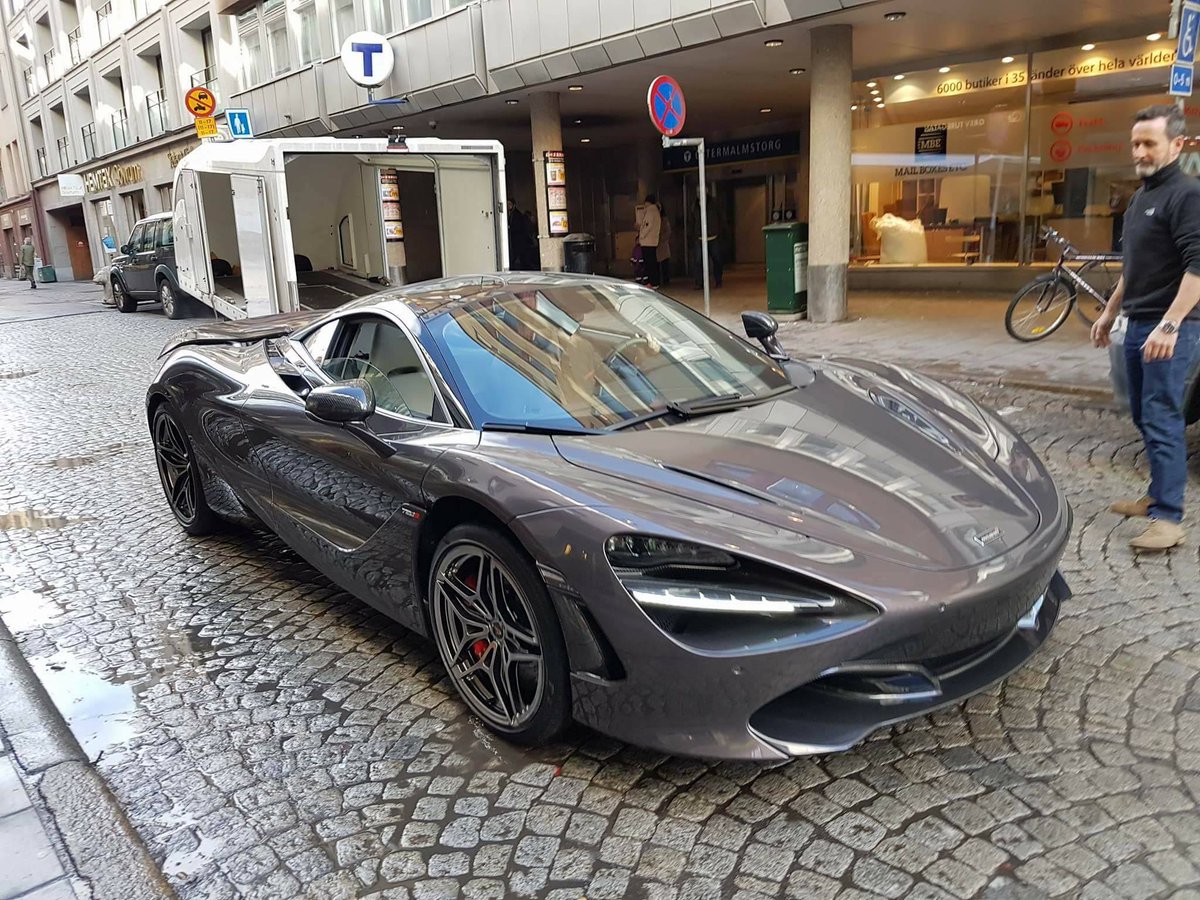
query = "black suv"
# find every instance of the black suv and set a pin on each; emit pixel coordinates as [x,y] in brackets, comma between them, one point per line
[145,268]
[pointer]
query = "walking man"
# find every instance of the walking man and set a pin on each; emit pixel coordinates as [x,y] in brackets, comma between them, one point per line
[27,257]
[649,234]
[1159,292]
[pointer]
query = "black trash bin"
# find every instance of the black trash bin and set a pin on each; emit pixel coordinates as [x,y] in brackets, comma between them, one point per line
[579,254]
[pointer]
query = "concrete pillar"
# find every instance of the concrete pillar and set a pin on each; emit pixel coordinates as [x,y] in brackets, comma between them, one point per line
[829,165]
[546,123]
[649,166]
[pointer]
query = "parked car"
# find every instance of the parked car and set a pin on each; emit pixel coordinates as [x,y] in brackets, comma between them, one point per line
[144,269]
[1120,379]
[602,506]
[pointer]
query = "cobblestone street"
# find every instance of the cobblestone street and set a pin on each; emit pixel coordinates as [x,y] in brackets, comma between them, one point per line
[269,736]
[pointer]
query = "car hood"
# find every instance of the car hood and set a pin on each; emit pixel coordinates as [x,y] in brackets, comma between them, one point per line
[879,461]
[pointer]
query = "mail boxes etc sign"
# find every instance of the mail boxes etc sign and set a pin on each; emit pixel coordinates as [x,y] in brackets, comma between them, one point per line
[100,180]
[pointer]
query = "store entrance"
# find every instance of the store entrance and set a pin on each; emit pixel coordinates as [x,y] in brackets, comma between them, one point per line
[79,251]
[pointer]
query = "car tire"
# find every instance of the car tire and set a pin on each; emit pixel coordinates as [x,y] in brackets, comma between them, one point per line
[121,298]
[517,640]
[174,304]
[179,474]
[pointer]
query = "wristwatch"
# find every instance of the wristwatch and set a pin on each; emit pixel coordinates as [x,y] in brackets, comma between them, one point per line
[1166,326]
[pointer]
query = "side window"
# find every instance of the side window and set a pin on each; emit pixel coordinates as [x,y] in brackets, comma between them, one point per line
[166,234]
[384,356]
[135,239]
[319,342]
[149,236]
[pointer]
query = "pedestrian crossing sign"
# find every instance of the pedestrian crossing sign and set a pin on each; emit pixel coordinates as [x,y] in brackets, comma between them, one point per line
[239,123]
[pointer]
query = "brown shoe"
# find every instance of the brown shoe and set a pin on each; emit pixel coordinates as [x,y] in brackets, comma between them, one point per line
[1132,509]
[1159,535]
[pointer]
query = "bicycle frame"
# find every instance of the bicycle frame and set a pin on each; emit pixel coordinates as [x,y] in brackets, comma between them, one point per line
[1070,255]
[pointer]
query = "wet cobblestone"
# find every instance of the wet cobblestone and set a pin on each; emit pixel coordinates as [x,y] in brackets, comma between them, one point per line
[269,736]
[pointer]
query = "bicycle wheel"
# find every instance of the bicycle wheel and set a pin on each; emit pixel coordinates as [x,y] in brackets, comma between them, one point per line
[1104,281]
[1039,308]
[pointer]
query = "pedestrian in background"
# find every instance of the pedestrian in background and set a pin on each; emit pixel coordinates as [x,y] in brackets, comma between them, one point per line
[1158,292]
[28,255]
[649,235]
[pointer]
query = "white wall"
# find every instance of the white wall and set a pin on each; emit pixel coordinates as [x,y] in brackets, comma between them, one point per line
[219,221]
[323,189]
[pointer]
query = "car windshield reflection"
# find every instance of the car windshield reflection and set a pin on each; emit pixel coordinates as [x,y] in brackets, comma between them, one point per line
[592,356]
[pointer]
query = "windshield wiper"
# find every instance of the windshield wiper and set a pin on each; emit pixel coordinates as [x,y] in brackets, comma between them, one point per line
[525,428]
[704,406]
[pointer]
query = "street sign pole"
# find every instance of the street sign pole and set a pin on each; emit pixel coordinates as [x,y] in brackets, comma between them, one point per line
[698,143]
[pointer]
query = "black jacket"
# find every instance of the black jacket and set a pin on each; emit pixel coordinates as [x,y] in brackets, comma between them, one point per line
[1161,241]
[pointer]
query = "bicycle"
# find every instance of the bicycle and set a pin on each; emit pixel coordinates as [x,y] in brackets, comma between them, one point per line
[1042,306]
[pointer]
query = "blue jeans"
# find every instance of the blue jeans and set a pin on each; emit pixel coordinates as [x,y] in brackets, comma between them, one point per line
[1156,397]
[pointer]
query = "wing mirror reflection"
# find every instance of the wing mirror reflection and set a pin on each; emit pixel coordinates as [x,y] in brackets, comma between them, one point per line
[762,327]
[341,404]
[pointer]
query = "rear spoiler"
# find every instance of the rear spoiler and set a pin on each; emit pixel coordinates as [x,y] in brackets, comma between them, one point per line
[242,331]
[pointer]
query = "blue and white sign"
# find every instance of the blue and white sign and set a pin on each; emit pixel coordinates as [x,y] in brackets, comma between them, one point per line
[238,121]
[368,58]
[1181,80]
[1189,34]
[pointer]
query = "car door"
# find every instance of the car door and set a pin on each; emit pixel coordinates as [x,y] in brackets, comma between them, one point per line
[128,265]
[164,250]
[350,510]
[142,281]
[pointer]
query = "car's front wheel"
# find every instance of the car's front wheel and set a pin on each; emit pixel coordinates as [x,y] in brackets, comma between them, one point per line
[121,298]
[498,636]
[180,474]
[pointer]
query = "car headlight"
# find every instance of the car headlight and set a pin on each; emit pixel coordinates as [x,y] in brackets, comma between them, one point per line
[666,574]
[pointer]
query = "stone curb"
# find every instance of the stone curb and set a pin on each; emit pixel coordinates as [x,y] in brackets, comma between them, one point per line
[103,848]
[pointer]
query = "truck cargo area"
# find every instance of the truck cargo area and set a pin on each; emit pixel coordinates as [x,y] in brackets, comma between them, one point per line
[264,227]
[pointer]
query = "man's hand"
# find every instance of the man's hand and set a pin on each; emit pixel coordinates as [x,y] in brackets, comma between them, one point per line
[1159,346]
[1102,329]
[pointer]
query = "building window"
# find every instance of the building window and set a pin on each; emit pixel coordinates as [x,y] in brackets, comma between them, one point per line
[120,127]
[88,133]
[306,30]
[164,197]
[277,43]
[135,206]
[156,111]
[64,153]
[417,11]
[379,16]
[106,225]
[74,38]
[345,19]
[30,89]
[43,166]
[3,93]
[250,43]
[104,22]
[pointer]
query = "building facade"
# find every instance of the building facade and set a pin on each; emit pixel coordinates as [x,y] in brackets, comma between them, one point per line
[924,147]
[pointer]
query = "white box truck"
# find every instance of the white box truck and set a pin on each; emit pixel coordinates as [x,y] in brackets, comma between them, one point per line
[279,225]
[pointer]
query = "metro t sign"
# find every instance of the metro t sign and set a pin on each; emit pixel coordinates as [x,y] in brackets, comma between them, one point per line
[368,58]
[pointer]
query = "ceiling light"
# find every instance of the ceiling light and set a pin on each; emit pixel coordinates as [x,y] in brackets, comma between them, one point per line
[512,102]
[944,69]
[895,16]
[765,109]
[875,93]
[774,42]
[853,106]
[575,87]
[796,71]
[879,106]
[1007,59]
[898,77]
[1088,47]
[585,140]
[1154,37]
[872,84]
[579,121]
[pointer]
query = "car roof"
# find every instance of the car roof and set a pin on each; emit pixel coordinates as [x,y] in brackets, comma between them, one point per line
[154,218]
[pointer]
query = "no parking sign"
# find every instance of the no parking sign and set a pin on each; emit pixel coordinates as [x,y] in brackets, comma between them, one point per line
[668,109]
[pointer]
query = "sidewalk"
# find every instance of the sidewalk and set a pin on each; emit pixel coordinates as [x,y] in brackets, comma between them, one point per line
[946,334]
[21,303]
[29,865]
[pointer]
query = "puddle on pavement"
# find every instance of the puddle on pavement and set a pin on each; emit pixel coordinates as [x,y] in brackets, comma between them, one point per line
[99,711]
[27,610]
[76,462]
[32,520]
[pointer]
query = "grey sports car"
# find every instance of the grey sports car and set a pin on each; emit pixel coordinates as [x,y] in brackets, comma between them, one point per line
[602,506]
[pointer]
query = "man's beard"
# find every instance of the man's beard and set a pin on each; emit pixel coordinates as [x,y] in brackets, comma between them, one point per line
[1145,170]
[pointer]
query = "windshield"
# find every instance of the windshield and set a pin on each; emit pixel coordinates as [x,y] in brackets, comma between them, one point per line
[592,356]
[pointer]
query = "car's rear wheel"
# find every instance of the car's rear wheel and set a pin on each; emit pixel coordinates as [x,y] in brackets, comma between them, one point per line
[498,636]
[174,305]
[121,298]
[180,475]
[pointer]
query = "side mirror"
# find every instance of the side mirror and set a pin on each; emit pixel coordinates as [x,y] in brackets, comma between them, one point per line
[341,404]
[762,327]
[126,249]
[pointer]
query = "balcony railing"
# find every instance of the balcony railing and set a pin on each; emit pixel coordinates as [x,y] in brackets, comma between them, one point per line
[207,78]
[64,153]
[88,132]
[51,68]
[43,166]
[120,127]
[30,84]
[104,22]
[156,110]
[74,39]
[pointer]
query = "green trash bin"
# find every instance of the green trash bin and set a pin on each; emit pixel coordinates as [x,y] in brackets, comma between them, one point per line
[46,273]
[787,267]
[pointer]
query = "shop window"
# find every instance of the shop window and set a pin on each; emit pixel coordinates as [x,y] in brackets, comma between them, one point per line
[164,197]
